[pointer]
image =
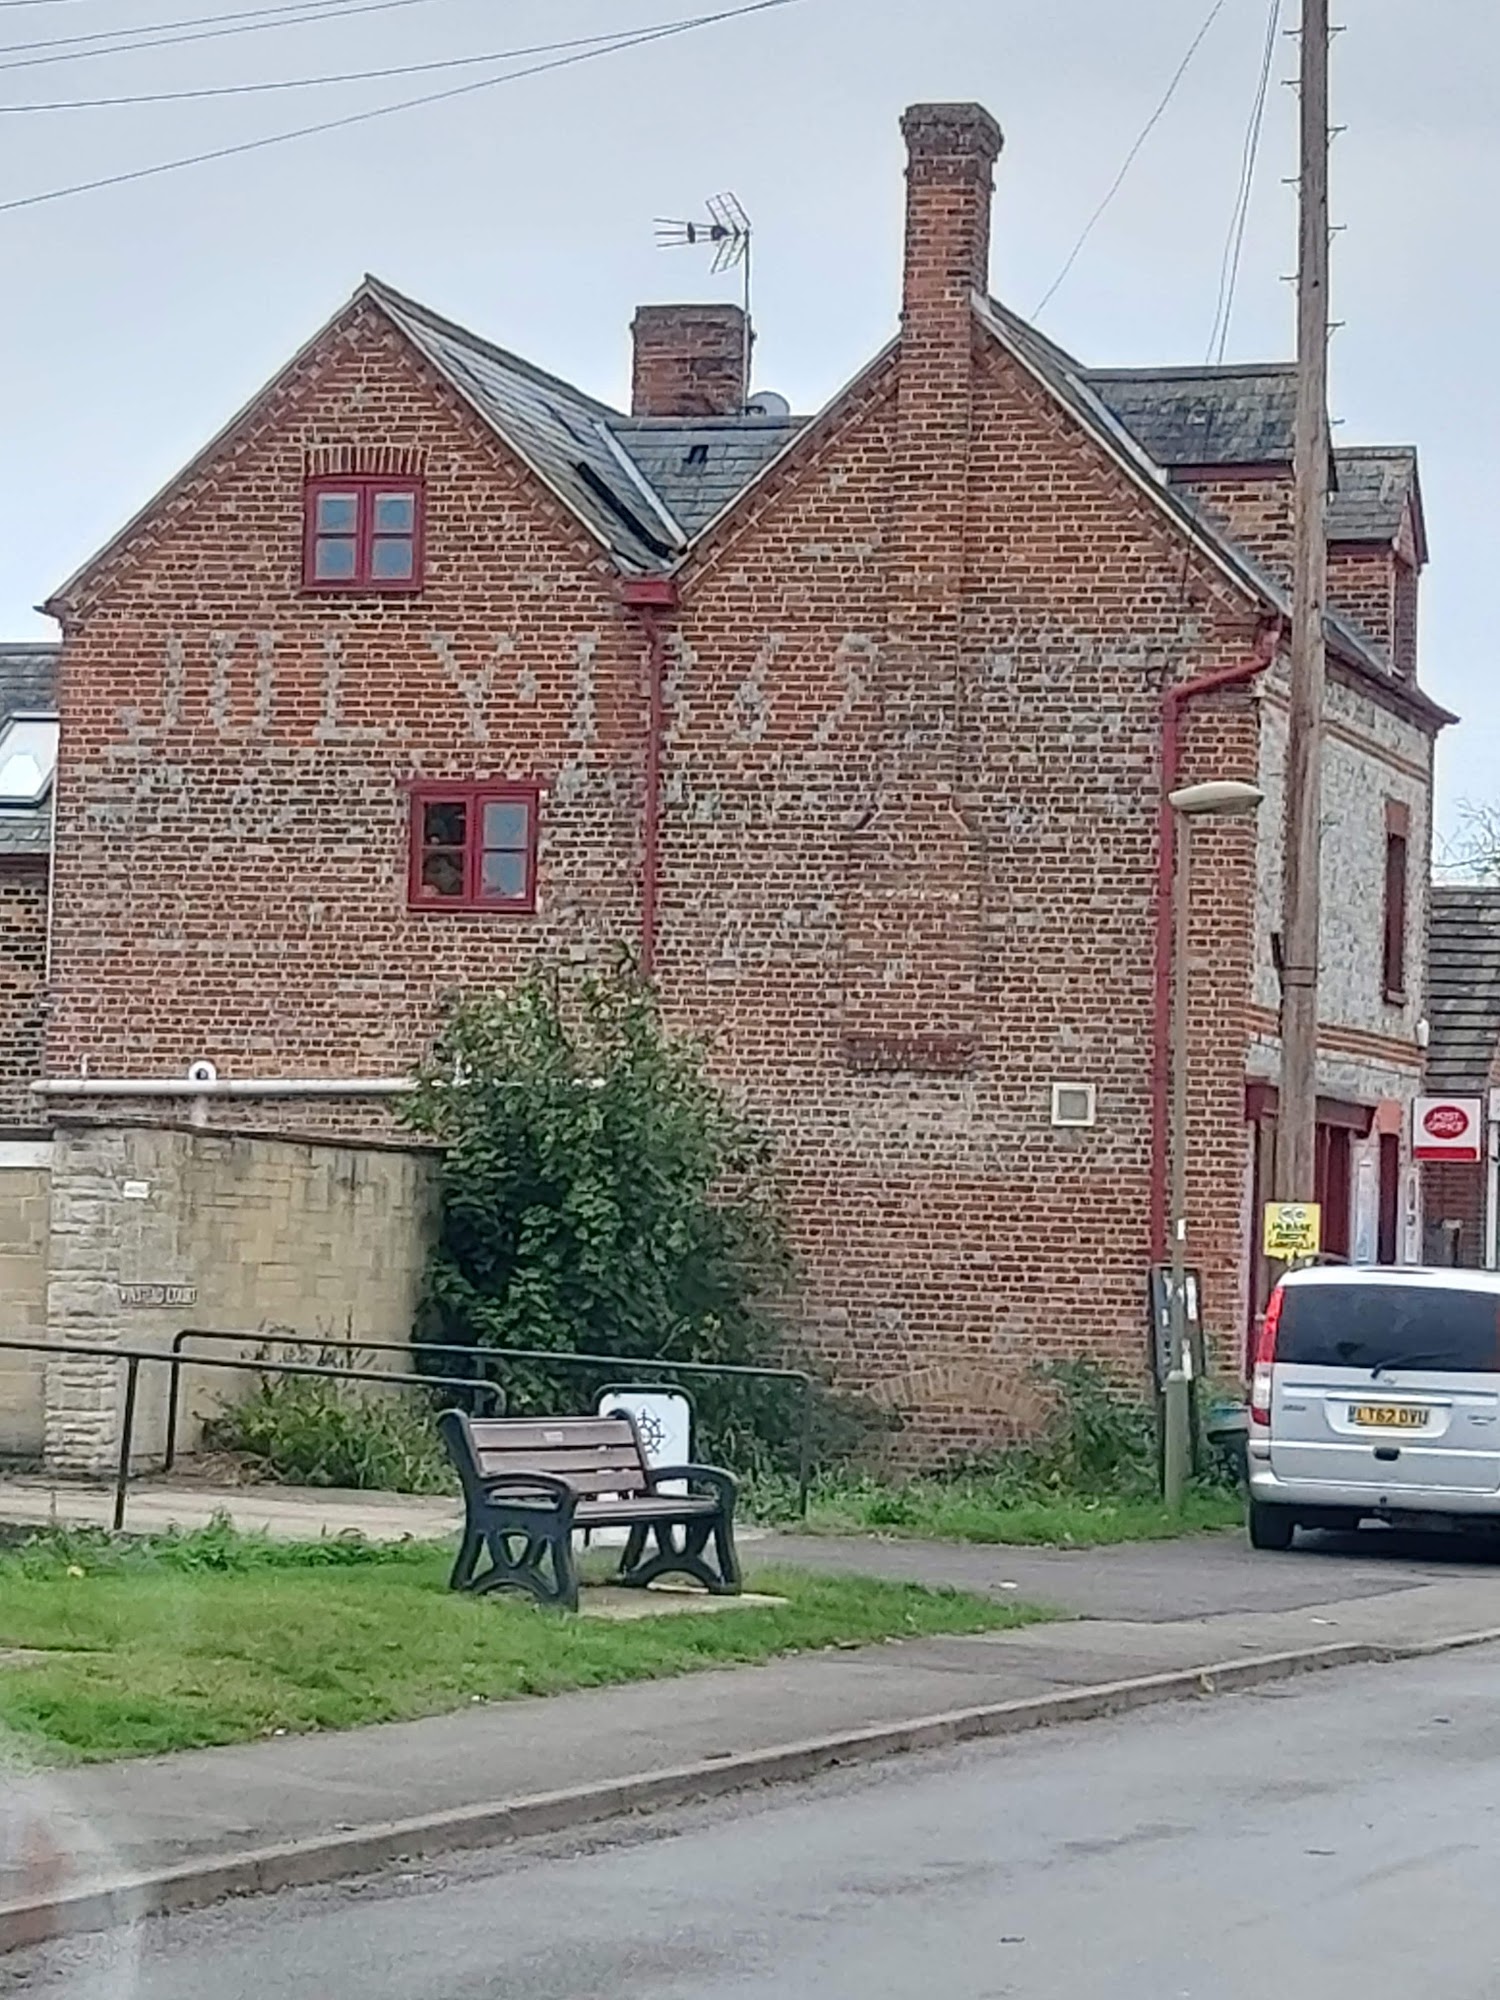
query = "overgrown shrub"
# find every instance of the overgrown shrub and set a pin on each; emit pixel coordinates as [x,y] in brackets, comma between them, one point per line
[601,1194]
[315,1431]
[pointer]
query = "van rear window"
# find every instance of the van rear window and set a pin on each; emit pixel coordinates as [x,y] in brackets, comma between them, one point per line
[1440,1330]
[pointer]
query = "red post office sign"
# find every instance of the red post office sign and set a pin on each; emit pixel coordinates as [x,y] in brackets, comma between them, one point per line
[1448,1128]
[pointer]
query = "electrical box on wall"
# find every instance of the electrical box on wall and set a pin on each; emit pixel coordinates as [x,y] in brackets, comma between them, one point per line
[1075,1104]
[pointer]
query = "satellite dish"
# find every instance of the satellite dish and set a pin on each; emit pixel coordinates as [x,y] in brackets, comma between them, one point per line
[767,403]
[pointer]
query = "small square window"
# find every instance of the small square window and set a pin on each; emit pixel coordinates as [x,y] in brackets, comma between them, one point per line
[363,534]
[1074,1104]
[473,847]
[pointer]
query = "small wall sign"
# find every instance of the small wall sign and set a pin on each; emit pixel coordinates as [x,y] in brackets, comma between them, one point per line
[158,1295]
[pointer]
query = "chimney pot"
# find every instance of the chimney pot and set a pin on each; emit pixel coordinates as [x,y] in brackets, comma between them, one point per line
[690,361]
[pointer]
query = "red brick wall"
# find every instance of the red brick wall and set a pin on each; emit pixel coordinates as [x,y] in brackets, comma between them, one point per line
[232,847]
[23,971]
[908,842]
[1362,584]
[1454,1193]
[1256,509]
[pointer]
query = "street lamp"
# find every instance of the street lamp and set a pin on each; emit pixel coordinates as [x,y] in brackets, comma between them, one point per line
[1222,799]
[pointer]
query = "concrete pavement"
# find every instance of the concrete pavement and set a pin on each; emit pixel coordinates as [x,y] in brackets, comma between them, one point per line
[1327,1836]
[316,1807]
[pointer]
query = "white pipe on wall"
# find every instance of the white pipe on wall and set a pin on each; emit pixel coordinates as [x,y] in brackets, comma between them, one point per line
[219,1086]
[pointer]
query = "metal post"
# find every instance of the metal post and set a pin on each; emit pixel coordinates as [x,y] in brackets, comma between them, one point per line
[805,1449]
[174,1392]
[127,1435]
[1177,1439]
[1296,1139]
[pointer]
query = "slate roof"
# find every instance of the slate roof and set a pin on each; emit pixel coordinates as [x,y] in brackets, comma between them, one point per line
[1375,485]
[28,686]
[1247,415]
[564,435]
[1205,416]
[701,465]
[1463,987]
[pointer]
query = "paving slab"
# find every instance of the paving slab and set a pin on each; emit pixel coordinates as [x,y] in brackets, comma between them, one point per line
[290,1513]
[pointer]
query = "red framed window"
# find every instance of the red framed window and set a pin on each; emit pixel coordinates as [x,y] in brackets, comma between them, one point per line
[473,847]
[362,533]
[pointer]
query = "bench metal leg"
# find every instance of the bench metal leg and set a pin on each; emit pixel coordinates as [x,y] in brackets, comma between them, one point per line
[462,1574]
[684,1556]
[540,1564]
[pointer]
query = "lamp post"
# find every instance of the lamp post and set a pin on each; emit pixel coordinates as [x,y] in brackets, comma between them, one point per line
[1222,799]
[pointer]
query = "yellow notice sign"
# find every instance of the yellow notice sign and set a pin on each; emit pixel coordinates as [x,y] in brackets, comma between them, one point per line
[1293,1229]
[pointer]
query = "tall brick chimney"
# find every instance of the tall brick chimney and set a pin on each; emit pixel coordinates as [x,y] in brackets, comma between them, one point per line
[950,176]
[690,361]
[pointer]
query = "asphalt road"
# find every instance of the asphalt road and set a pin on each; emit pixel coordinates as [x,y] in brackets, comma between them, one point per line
[1205,1576]
[1331,1836]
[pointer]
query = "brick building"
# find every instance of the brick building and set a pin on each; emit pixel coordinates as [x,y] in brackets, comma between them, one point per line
[856,726]
[1463,1060]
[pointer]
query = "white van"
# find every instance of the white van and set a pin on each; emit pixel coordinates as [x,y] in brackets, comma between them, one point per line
[1376,1395]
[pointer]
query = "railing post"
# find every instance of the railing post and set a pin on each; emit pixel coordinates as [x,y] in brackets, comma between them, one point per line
[127,1434]
[174,1390]
[805,1449]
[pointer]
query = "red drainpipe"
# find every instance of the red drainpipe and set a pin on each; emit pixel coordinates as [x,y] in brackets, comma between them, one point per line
[1174,700]
[651,597]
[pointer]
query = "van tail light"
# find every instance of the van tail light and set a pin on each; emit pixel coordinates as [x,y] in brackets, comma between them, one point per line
[1265,1360]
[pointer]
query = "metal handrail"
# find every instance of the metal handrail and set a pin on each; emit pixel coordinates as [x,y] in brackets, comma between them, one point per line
[655,1364]
[134,1356]
[174,1384]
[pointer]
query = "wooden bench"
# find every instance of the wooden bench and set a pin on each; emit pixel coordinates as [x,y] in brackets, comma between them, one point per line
[529,1482]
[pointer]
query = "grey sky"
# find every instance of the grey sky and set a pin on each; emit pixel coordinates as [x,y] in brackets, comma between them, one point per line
[136,320]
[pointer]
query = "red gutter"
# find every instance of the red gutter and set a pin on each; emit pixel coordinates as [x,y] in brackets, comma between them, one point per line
[650,597]
[1174,700]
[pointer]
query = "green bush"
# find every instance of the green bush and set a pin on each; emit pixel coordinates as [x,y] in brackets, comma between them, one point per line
[315,1431]
[601,1194]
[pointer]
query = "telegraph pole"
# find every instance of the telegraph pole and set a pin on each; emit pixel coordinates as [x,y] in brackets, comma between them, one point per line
[1297,1123]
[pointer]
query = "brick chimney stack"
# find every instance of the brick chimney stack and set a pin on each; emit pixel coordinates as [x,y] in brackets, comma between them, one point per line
[950,177]
[690,361]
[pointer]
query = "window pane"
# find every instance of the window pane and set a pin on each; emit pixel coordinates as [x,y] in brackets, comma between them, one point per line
[443,875]
[338,513]
[28,758]
[390,556]
[395,513]
[445,823]
[503,878]
[507,823]
[334,557]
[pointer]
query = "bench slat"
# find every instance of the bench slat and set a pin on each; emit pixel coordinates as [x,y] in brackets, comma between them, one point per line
[667,1507]
[560,1462]
[540,1433]
[606,1481]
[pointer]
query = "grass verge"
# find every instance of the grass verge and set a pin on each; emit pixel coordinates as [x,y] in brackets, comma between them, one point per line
[974,1508]
[184,1641]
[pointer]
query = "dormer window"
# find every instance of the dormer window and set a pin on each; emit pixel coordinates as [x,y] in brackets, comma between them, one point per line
[362,533]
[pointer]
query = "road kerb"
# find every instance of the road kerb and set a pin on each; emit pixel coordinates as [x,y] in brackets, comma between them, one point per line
[343,1856]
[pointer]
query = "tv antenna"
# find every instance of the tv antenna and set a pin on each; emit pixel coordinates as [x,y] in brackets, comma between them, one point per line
[727,232]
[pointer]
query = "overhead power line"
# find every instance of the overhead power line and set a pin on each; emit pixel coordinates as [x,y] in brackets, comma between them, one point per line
[308,12]
[163,27]
[1234,242]
[627,40]
[1130,158]
[318,82]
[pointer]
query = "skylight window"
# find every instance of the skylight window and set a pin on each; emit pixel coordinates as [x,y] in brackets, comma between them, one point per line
[28,758]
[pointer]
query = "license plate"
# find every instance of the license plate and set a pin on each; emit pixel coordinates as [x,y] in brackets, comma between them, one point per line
[1388,1417]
